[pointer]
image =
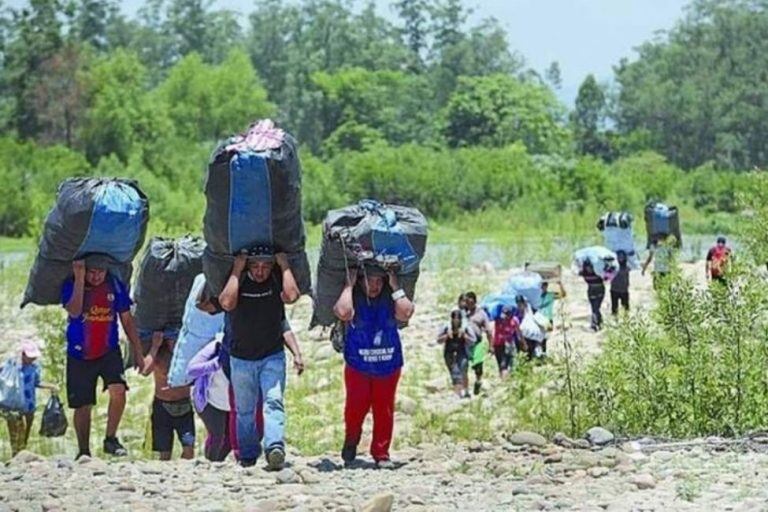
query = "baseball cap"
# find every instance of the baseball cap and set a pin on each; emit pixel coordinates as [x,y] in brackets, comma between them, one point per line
[261,252]
[30,349]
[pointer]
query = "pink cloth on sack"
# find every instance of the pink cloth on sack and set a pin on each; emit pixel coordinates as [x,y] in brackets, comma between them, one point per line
[259,137]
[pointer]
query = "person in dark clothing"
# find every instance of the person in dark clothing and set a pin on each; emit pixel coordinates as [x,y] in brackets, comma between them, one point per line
[620,285]
[457,337]
[595,293]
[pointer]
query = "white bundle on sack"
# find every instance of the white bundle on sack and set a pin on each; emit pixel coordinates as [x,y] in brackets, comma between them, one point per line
[618,235]
[603,261]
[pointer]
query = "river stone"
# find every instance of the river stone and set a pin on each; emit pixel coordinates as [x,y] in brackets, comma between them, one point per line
[288,476]
[599,436]
[644,481]
[406,405]
[26,457]
[380,503]
[527,438]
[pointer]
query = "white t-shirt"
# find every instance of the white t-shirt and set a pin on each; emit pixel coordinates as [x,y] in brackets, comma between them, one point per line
[218,391]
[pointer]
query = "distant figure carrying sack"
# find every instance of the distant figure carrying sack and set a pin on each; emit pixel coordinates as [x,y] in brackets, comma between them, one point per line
[718,260]
[20,420]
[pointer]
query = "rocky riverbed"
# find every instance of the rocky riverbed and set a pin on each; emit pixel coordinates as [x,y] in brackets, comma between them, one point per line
[524,472]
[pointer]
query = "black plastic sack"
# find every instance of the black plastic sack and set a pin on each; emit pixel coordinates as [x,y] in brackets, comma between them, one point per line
[92,217]
[54,422]
[235,220]
[349,242]
[165,277]
[662,220]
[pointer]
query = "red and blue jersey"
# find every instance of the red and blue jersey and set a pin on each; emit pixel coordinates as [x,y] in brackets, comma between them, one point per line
[94,333]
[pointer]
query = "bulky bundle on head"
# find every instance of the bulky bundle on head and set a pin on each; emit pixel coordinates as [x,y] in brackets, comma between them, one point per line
[166,273]
[372,236]
[618,235]
[603,261]
[662,221]
[253,197]
[104,218]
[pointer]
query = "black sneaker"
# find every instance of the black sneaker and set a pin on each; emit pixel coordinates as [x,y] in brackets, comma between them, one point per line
[247,463]
[478,388]
[113,447]
[275,459]
[349,454]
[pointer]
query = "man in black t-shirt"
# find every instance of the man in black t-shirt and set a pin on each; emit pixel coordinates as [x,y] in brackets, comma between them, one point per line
[254,300]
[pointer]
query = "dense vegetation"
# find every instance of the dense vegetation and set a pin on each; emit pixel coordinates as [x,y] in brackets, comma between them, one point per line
[423,109]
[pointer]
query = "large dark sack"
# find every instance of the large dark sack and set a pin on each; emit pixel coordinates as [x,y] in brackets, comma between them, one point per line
[253,197]
[54,422]
[370,235]
[103,218]
[662,220]
[166,273]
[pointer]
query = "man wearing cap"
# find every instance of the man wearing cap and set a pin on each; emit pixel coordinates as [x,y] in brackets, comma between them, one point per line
[254,299]
[94,300]
[373,357]
[717,261]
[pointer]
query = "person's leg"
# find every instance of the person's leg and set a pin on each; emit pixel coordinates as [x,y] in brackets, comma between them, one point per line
[625,301]
[383,404]
[272,386]
[216,424]
[162,431]
[15,433]
[599,309]
[29,418]
[246,390]
[615,302]
[356,405]
[452,363]
[81,395]
[478,368]
[185,431]
[115,408]
[232,424]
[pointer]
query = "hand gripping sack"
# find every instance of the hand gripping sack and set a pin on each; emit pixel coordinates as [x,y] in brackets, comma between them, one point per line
[11,386]
[54,422]
[166,274]
[92,217]
[371,235]
[253,197]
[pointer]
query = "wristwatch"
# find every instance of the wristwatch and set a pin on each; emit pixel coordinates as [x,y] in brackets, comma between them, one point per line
[398,294]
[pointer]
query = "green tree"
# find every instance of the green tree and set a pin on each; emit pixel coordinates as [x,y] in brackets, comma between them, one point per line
[415,31]
[497,110]
[588,119]
[700,92]
[92,21]
[122,115]
[35,35]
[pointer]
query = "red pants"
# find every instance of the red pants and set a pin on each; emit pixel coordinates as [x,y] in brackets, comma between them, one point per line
[367,392]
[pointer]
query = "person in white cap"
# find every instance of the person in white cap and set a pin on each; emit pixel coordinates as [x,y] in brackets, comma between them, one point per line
[20,422]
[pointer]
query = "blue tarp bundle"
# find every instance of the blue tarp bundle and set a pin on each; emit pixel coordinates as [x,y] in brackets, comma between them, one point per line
[92,217]
[495,302]
[253,199]
[371,235]
[527,284]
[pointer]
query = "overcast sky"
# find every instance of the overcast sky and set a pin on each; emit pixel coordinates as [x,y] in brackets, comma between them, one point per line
[584,36]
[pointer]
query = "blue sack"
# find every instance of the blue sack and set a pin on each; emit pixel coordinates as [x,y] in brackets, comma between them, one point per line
[11,386]
[493,304]
[527,284]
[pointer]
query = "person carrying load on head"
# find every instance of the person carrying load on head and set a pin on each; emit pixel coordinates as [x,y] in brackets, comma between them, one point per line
[595,293]
[532,333]
[94,300]
[371,308]
[620,284]
[661,256]
[718,260]
[506,329]
[480,322]
[254,299]
[20,422]
[457,337]
[547,305]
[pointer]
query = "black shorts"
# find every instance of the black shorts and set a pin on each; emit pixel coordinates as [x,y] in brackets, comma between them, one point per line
[82,376]
[170,417]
